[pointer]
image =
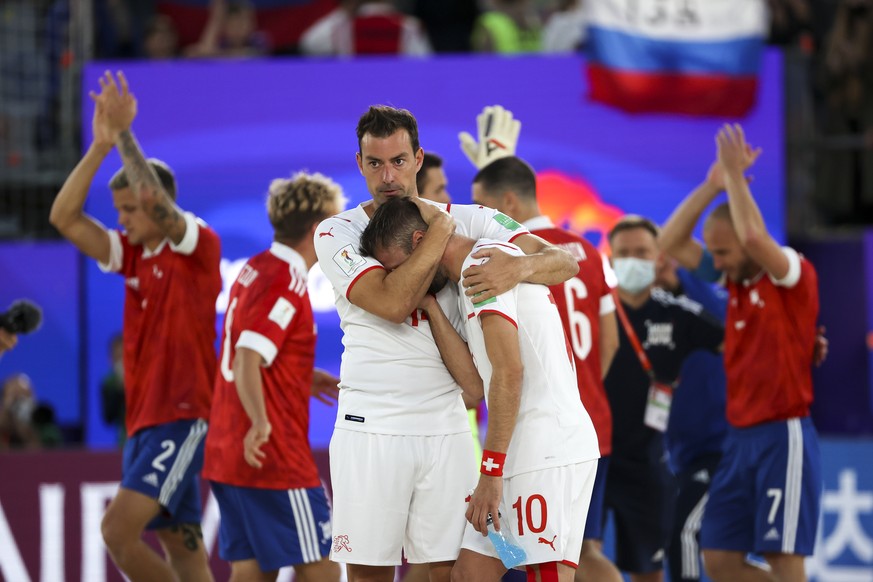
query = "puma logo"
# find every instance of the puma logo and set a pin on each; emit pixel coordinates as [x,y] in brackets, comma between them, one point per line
[547,542]
[328,233]
[492,144]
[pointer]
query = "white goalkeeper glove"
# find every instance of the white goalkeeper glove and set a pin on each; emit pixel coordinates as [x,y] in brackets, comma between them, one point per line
[498,136]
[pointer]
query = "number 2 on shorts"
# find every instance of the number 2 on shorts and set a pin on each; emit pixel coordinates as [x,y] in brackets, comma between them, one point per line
[169,448]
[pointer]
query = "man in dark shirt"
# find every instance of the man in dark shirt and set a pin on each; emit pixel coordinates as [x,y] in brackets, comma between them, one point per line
[665,330]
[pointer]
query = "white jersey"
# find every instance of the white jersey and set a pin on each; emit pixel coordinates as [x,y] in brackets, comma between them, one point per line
[392,378]
[553,427]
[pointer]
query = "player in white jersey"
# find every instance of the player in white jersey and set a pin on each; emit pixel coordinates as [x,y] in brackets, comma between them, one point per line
[401,449]
[541,448]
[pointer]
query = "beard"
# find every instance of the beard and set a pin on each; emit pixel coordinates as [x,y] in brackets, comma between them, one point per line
[439,281]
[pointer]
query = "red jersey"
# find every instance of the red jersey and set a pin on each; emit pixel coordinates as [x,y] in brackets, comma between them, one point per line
[581,301]
[169,324]
[769,343]
[268,312]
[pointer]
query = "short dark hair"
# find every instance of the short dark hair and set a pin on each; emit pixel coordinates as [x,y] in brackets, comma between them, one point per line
[632,221]
[509,173]
[165,177]
[392,225]
[430,161]
[383,121]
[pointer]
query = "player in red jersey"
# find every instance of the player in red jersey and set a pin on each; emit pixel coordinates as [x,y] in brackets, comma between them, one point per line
[764,497]
[170,262]
[587,311]
[274,511]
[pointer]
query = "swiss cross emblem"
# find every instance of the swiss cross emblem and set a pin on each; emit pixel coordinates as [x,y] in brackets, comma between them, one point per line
[490,465]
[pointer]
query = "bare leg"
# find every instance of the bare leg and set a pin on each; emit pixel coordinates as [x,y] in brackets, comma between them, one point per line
[594,566]
[787,567]
[416,573]
[657,576]
[473,567]
[183,545]
[440,571]
[123,523]
[322,571]
[249,571]
[724,566]
[358,573]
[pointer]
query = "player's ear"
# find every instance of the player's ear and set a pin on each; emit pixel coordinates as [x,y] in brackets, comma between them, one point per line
[416,238]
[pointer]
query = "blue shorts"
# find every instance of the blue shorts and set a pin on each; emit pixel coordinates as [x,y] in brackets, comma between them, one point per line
[164,463]
[276,527]
[766,491]
[594,521]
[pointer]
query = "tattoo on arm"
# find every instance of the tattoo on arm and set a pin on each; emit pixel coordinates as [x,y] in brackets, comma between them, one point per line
[147,187]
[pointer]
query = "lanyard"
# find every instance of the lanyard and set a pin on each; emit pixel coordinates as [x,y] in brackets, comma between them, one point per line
[632,336]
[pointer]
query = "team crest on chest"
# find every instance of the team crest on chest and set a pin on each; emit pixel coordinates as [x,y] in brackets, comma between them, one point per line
[659,334]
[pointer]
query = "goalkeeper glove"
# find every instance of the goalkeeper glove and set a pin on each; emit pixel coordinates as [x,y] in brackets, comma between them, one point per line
[498,136]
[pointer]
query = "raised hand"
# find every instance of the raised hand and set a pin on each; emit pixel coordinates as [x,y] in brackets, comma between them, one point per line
[715,175]
[324,387]
[99,127]
[733,151]
[115,109]
[498,136]
[255,438]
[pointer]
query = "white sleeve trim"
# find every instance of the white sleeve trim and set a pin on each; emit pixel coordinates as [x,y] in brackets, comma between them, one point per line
[116,254]
[793,275]
[188,244]
[607,304]
[258,343]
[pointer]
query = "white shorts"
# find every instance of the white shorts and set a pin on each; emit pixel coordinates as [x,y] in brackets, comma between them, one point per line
[545,511]
[394,494]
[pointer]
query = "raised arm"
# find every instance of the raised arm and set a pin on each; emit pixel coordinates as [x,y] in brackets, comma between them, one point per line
[120,106]
[542,263]
[745,214]
[454,351]
[67,213]
[676,237]
[247,377]
[394,295]
[504,398]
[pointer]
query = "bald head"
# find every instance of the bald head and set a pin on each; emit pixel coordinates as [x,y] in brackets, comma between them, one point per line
[722,212]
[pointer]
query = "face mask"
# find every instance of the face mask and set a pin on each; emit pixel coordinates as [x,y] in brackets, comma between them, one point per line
[634,275]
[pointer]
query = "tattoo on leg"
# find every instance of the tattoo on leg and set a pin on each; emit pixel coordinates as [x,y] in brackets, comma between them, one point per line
[191,533]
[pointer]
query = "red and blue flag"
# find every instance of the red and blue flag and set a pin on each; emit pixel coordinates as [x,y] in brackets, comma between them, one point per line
[698,57]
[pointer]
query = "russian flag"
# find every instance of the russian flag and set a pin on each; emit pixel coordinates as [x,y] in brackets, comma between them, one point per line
[698,57]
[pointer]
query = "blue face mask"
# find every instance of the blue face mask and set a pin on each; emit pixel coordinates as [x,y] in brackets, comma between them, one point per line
[633,274]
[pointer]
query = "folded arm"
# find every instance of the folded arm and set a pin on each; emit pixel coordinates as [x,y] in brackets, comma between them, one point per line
[542,263]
